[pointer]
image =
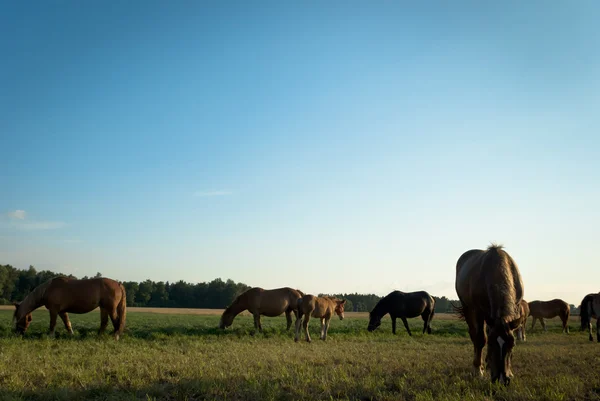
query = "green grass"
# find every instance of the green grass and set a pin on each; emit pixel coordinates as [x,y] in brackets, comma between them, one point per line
[185,357]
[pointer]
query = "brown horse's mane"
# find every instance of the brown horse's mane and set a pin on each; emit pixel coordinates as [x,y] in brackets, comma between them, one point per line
[508,307]
[32,301]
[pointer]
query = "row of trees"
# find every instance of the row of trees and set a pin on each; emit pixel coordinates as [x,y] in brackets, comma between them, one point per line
[15,284]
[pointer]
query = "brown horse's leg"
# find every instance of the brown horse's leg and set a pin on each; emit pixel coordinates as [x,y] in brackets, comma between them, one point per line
[65,319]
[326,329]
[288,317]
[53,316]
[103,320]
[114,318]
[543,323]
[533,322]
[305,325]
[478,337]
[406,325]
[257,325]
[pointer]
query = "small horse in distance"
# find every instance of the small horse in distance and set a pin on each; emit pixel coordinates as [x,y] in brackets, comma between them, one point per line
[524,315]
[403,305]
[490,289]
[547,310]
[259,302]
[63,295]
[590,309]
[319,307]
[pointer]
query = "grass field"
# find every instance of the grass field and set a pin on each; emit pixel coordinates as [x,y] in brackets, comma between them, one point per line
[185,357]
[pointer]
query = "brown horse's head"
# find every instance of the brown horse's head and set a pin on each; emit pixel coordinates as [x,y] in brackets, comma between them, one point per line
[23,322]
[501,342]
[339,308]
[226,319]
[374,321]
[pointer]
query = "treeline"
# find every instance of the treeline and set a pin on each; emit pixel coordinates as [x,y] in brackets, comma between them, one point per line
[15,284]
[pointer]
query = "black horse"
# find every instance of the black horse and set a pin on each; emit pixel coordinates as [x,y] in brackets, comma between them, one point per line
[403,305]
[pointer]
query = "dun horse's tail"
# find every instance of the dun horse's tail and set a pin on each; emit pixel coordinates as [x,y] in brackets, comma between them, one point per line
[122,311]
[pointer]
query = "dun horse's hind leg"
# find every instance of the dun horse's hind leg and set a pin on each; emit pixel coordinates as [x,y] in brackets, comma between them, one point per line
[103,320]
[65,319]
[406,325]
[305,325]
[326,329]
[566,324]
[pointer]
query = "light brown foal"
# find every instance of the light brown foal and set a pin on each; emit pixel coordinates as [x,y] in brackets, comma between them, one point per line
[319,307]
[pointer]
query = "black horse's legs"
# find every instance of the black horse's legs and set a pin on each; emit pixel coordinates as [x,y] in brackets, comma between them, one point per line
[533,322]
[425,322]
[543,323]
[406,325]
[393,324]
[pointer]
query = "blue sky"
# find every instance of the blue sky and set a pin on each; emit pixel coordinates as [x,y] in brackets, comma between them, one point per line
[334,147]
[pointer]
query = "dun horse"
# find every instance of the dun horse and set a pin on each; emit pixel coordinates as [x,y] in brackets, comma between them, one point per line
[547,310]
[259,302]
[490,289]
[590,309]
[524,315]
[318,307]
[403,305]
[63,295]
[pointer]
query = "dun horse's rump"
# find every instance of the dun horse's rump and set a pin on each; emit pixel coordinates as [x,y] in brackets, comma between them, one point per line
[540,310]
[490,289]
[318,307]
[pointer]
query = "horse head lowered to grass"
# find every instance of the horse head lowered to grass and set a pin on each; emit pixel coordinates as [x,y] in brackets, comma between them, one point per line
[490,289]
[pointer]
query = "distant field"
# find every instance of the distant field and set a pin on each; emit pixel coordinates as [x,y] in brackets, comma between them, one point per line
[182,355]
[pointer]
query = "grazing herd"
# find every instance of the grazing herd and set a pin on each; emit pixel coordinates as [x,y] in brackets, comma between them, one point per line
[488,284]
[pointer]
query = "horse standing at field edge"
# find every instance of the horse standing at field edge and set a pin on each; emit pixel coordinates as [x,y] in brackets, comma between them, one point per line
[259,302]
[319,307]
[590,309]
[547,310]
[523,322]
[403,305]
[63,295]
[490,289]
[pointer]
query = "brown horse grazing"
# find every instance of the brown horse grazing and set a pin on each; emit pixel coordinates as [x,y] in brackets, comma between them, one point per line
[62,295]
[403,305]
[259,302]
[490,289]
[319,307]
[548,309]
[590,309]
[524,315]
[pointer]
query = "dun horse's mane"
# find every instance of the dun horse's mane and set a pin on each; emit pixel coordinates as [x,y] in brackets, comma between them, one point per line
[32,301]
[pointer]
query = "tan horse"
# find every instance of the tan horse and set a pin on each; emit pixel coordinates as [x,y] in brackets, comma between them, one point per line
[259,302]
[63,295]
[524,315]
[590,309]
[318,307]
[548,309]
[490,289]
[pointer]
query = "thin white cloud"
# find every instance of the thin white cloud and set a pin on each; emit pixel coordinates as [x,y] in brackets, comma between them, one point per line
[19,220]
[18,214]
[205,194]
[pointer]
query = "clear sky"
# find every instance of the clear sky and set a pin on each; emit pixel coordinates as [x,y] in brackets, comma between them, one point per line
[329,146]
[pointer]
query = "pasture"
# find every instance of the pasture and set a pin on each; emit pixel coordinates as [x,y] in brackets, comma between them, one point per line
[177,356]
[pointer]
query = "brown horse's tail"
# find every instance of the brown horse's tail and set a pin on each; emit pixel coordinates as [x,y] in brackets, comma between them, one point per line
[122,311]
